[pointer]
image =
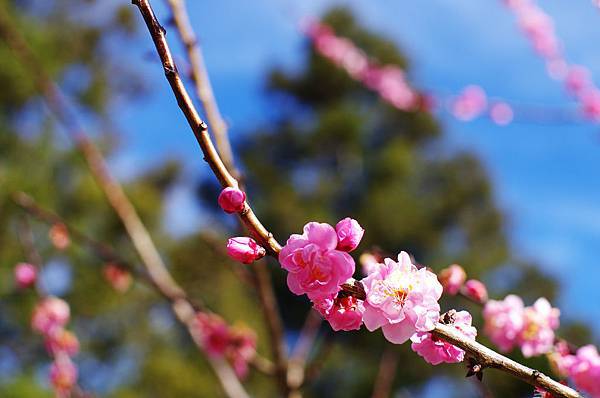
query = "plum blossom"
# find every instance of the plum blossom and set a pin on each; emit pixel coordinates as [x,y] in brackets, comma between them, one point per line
[63,375]
[584,369]
[504,321]
[49,314]
[349,233]
[369,262]
[435,350]
[501,113]
[118,277]
[241,349]
[401,299]
[452,278]
[315,267]
[245,250]
[470,103]
[346,314]
[25,275]
[213,332]
[59,236]
[232,200]
[475,290]
[62,341]
[539,323]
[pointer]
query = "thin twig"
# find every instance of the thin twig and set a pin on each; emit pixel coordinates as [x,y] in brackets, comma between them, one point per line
[106,253]
[115,194]
[224,154]
[256,228]
[385,376]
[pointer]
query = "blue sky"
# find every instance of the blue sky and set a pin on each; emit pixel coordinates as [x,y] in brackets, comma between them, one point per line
[544,175]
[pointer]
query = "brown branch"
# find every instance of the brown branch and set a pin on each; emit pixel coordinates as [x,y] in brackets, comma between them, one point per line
[488,358]
[221,161]
[115,194]
[256,228]
[202,84]
[199,128]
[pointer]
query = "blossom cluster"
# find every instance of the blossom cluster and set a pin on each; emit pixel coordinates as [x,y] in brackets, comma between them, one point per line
[400,298]
[390,83]
[235,343]
[539,29]
[582,367]
[508,323]
[454,280]
[49,319]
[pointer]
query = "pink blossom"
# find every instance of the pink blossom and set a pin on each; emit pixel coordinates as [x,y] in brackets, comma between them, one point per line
[470,103]
[401,299]
[244,249]
[60,340]
[346,314]
[118,277]
[59,236]
[314,265]
[578,79]
[324,304]
[475,290]
[241,349]
[537,335]
[504,321]
[452,278]
[501,113]
[590,104]
[50,313]
[232,200]
[25,275]
[369,262]
[349,233]
[213,332]
[584,370]
[435,350]
[63,375]
[560,358]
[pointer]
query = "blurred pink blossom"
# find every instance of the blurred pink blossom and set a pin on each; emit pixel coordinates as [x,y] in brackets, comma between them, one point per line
[504,321]
[452,278]
[25,275]
[63,376]
[470,103]
[62,341]
[241,349]
[584,370]
[501,113]
[475,290]
[214,333]
[50,313]
[539,323]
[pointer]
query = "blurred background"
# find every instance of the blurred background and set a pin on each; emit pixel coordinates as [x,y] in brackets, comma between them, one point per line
[517,206]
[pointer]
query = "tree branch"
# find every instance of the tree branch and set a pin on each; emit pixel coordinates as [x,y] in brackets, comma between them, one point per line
[488,358]
[204,92]
[256,228]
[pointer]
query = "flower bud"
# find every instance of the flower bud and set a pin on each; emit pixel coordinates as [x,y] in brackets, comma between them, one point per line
[63,375]
[49,314]
[475,290]
[452,278]
[60,340]
[59,236]
[349,233]
[232,200]
[25,275]
[245,249]
[119,278]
